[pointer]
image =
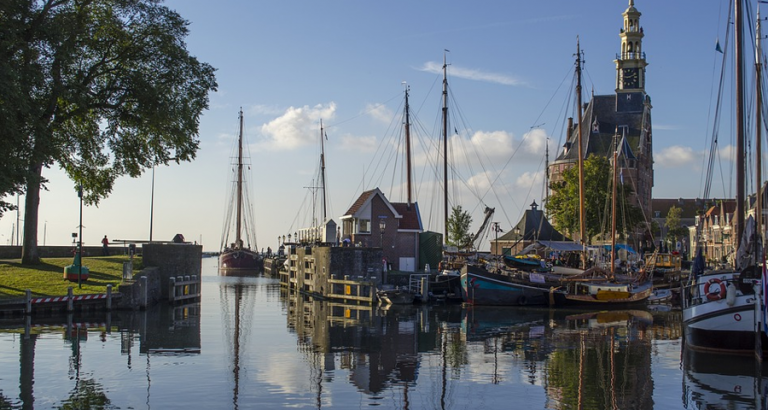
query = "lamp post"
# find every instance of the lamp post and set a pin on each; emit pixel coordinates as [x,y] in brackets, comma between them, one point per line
[517,237]
[382,227]
[152,203]
[80,239]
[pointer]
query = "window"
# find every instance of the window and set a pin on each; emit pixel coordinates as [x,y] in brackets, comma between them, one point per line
[364,226]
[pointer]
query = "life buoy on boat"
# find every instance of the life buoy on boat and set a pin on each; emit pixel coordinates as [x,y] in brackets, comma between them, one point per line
[715,289]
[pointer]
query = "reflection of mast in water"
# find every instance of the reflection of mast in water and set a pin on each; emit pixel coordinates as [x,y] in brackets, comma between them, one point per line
[241,325]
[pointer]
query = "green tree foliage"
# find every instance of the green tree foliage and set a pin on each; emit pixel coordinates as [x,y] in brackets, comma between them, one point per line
[101,88]
[563,203]
[675,230]
[458,227]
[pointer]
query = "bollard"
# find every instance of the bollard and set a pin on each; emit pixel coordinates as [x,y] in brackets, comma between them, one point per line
[143,285]
[70,300]
[109,297]
[27,327]
[172,290]
[29,302]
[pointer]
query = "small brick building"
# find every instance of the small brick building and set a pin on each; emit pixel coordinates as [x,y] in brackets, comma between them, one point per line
[373,221]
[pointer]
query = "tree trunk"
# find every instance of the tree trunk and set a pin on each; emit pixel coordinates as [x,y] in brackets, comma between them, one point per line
[29,251]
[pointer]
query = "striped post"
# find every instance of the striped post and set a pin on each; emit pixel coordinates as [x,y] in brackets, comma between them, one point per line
[70,300]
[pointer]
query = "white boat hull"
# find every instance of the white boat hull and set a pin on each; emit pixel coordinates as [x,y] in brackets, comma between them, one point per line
[711,324]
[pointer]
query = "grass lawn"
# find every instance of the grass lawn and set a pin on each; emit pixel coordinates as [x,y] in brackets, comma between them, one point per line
[46,279]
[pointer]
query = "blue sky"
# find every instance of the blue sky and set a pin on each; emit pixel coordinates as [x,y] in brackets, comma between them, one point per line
[289,64]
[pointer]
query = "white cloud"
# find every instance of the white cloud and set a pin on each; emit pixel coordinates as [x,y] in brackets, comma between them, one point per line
[528,180]
[535,142]
[358,144]
[261,109]
[472,74]
[676,156]
[665,127]
[379,112]
[495,144]
[296,127]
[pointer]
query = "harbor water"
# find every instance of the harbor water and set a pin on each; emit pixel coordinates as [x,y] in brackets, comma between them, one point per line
[251,344]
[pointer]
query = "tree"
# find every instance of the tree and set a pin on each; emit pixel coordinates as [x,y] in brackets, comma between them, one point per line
[458,227]
[675,229]
[101,88]
[563,203]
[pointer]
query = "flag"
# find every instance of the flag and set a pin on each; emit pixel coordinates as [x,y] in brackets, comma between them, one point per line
[717,46]
[326,136]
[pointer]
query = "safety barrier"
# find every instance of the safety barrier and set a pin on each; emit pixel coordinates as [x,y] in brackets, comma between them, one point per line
[67,303]
[183,288]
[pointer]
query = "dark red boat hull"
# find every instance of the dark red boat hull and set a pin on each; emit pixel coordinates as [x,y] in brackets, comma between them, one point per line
[240,259]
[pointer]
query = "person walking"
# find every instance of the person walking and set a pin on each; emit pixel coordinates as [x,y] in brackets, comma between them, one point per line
[105,246]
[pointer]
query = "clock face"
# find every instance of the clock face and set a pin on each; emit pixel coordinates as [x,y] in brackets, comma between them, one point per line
[630,78]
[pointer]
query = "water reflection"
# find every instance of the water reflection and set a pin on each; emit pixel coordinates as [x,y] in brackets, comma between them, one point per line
[251,343]
[580,359]
[711,382]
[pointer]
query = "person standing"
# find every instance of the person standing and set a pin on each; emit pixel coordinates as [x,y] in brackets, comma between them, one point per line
[105,246]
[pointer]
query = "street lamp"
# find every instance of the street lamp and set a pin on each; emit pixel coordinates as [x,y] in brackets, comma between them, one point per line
[382,226]
[80,239]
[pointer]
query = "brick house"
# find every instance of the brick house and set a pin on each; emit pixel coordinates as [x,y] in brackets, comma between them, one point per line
[373,221]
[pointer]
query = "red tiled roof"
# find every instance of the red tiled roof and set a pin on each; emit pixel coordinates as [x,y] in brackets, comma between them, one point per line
[360,202]
[411,218]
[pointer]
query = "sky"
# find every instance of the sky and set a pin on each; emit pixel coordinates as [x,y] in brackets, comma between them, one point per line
[290,64]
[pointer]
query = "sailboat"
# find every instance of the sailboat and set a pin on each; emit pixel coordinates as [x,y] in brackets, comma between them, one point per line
[721,308]
[238,254]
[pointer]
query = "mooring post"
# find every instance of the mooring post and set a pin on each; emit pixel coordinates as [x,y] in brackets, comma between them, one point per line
[27,326]
[143,281]
[70,300]
[109,297]
[28,297]
[172,289]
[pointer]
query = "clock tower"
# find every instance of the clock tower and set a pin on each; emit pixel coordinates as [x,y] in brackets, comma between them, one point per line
[630,63]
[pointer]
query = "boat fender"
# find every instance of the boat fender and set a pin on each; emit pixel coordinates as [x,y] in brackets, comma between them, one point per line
[715,289]
[730,297]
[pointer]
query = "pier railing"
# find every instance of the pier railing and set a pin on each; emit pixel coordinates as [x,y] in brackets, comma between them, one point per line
[183,288]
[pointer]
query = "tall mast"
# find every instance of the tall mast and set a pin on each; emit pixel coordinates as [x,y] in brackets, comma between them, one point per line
[613,200]
[582,227]
[322,167]
[408,146]
[546,179]
[758,131]
[239,181]
[445,147]
[740,188]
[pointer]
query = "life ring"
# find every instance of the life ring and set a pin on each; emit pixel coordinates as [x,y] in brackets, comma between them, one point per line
[712,292]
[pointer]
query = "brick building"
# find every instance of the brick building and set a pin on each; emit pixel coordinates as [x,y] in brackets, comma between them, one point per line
[622,118]
[373,221]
